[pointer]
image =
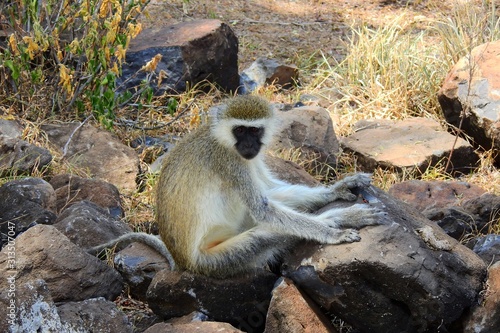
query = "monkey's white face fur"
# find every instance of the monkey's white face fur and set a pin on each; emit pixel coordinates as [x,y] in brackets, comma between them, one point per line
[221,127]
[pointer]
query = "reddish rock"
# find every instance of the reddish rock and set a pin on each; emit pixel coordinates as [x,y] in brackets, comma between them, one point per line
[98,151]
[195,327]
[289,171]
[268,71]
[241,301]
[435,194]
[42,252]
[473,85]
[485,317]
[310,130]
[71,189]
[290,312]
[89,225]
[414,143]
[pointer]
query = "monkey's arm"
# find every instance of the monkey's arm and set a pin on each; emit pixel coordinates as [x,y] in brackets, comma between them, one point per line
[311,198]
[141,237]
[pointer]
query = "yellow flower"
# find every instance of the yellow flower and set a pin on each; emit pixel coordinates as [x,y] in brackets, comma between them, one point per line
[120,53]
[74,46]
[32,46]
[107,54]
[115,69]
[150,66]
[65,78]
[13,44]
[104,9]
[134,29]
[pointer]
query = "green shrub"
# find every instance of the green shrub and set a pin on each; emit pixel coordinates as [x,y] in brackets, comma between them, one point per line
[65,56]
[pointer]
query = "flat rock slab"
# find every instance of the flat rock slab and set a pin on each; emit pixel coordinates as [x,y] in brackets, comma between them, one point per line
[415,143]
[97,151]
[435,194]
[473,85]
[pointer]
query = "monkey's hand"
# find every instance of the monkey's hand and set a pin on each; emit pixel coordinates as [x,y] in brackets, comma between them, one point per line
[343,188]
[355,216]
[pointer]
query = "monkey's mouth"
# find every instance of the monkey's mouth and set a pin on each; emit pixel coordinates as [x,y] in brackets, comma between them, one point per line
[249,155]
[247,152]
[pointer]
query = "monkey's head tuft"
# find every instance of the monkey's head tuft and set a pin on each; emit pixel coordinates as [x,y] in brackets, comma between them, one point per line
[247,108]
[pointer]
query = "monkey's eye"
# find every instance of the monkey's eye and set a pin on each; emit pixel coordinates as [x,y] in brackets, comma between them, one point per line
[254,130]
[239,129]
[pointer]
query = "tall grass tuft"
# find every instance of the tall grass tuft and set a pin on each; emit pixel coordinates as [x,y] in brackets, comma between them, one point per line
[468,25]
[390,72]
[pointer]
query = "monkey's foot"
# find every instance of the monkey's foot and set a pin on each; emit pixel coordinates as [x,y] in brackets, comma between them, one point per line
[355,216]
[338,236]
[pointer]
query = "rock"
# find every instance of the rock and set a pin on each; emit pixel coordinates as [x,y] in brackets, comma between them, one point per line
[202,327]
[268,71]
[24,203]
[477,95]
[425,195]
[403,276]
[241,301]
[20,157]
[290,312]
[138,264]
[485,208]
[34,311]
[42,252]
[191,52]
[442,202]
[289,171]
[488,248]
[11,129]
[71,189]
[89,225]
[193,316]
[93,315]
[467,216]
[97,151]
[310,129]
[455,221]
[415,144]
[30,307]
[485,317]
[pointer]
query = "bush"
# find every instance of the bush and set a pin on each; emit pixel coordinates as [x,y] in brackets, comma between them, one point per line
[64,56]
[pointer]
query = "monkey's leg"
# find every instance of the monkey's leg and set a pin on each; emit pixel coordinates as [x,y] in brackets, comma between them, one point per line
[251,249]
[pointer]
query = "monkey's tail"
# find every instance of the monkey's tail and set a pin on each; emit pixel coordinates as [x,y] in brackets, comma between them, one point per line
[141,237]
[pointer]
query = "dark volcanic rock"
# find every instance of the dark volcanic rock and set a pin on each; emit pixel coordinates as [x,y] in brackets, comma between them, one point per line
[406,275]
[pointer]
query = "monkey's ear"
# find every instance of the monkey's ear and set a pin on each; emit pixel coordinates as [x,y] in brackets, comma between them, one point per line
[215,112]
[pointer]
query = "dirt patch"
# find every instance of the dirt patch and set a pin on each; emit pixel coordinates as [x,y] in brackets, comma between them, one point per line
[290,30]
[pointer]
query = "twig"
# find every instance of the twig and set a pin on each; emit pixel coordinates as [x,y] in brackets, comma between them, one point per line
[284,23]
[65,149]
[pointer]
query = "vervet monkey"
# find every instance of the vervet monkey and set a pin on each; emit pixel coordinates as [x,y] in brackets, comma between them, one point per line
[221,212]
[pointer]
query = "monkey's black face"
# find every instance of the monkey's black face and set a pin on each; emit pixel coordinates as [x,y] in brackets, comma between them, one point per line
[248,140]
